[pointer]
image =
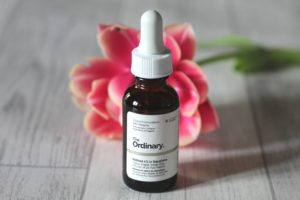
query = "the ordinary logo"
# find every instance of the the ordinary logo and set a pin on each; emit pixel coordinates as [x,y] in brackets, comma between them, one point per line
[148,146]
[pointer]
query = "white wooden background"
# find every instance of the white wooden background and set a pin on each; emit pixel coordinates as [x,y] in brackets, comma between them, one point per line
[46,154]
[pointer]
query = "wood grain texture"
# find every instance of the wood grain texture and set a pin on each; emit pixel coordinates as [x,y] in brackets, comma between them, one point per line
[209,18]
[276,98]
[7,9]
[46,154]
[232,154]
[40,183]
[39,125]
[269,22]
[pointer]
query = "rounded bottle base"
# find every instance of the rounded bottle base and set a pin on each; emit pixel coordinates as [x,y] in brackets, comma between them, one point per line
[159,186]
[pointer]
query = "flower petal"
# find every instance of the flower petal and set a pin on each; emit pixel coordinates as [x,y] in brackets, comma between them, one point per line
[117,87]
[99,126]
[187,92]
[81,77]
[185,37]
[170,42]
[80,103]
[195,73]
[98,97]
[117,42]
[102,27]
[209,117]
[189,129]
[114,111]
[114,67]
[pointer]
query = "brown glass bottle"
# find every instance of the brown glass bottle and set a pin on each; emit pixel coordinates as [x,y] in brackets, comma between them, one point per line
[150,97]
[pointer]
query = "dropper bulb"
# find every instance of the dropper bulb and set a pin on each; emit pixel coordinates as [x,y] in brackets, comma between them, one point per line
[151,59]
[151,33]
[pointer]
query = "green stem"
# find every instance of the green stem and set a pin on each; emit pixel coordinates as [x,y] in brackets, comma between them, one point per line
[291,55]
[219,57]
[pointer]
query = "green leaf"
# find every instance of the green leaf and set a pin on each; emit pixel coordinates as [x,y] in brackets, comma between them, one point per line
[229,41]
[263,59]
[250,57]
[251,60]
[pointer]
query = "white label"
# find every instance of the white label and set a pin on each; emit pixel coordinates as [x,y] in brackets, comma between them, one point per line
[152,146]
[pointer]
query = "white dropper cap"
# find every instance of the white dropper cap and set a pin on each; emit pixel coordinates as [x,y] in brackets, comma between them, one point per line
[151,59]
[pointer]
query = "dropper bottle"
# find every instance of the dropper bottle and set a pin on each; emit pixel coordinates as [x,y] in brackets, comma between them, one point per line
[150,114]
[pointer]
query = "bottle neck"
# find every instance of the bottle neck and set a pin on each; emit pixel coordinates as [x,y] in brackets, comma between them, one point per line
[142,82]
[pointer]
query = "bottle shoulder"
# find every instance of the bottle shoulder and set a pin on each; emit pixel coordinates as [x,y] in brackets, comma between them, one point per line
[162,99]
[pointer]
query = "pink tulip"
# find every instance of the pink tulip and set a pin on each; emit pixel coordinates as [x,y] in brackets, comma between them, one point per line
[98,87]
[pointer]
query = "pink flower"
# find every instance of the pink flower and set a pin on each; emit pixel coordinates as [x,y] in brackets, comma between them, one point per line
[98,87]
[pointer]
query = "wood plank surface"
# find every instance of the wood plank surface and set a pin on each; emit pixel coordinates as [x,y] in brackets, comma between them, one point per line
[29,183]
[45,152]
[275,96]
[39,125]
